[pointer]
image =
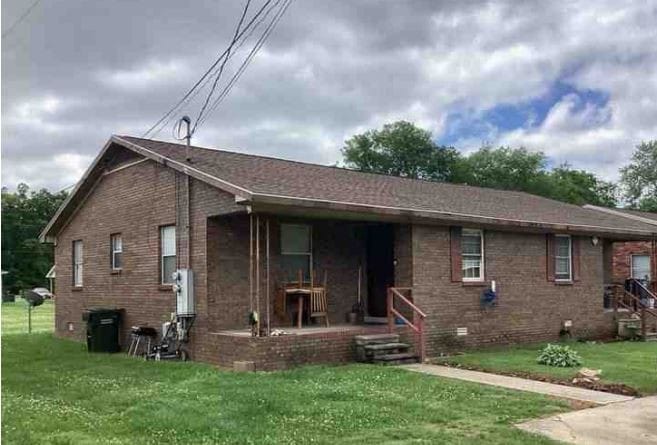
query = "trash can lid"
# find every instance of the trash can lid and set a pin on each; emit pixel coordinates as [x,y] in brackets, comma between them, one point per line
[98,310]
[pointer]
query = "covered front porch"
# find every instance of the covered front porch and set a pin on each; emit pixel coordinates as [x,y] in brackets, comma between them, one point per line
[262,268]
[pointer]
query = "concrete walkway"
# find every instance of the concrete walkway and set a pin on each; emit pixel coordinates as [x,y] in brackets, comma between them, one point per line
[626,423]
[549,389]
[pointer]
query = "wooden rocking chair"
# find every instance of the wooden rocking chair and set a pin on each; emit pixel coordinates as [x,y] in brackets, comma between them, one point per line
[318,301]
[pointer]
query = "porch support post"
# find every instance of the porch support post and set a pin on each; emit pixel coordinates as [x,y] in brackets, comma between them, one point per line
[267,282]
[251,262]
[257,267]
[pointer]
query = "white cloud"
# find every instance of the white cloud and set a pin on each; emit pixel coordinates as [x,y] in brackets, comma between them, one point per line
[144,76]
[61,171]
[331,69]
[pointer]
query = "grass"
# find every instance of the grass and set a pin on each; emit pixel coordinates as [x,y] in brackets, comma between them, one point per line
[631,363]
[14,317]
[54,392]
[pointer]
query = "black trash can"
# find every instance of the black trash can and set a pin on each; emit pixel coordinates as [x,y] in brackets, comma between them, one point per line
[103,329]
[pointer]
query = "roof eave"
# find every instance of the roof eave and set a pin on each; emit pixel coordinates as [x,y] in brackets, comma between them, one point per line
[263,200]
[622,214]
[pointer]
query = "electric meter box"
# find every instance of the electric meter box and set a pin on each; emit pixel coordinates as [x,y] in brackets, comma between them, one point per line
[184,287]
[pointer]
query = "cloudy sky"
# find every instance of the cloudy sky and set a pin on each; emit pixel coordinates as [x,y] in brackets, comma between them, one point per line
[577,80]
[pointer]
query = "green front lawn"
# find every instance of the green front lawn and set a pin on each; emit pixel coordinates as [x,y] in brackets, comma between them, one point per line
[631,363]
[53,391]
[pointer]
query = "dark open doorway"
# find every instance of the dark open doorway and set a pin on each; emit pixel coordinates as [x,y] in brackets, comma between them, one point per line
[380,267]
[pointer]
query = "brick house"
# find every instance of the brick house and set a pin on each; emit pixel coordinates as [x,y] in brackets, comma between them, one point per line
[247,224]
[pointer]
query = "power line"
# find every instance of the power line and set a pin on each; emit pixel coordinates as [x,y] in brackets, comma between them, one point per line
[21,18]
[240,43]
[237,48]
[207,72]
[223,64]
[248,59]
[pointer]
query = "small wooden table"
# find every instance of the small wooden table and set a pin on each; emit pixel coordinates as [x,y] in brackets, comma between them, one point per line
[301,292]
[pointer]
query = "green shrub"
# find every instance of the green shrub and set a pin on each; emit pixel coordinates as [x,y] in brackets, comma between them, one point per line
[561,356]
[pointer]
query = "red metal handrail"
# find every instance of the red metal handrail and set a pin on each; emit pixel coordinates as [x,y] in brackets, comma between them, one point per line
[635,304]
[417,324]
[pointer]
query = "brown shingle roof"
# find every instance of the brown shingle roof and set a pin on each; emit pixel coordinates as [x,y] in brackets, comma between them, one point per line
[640,214]
[269,177]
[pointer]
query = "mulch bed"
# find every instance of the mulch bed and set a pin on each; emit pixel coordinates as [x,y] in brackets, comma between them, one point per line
[614,388]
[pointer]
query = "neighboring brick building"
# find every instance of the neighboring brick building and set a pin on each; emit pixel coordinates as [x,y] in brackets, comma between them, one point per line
[116,245]
[634,259]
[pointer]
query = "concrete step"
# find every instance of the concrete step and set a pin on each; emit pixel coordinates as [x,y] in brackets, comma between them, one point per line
[377,350]
[375,339]
[650,336]
[386,346]
[401,358]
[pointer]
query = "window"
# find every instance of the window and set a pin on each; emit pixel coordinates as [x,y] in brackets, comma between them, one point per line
[116,251]
[563,270]
[77,263]
[296,247]
[641,267]
[167,253]
[472,252]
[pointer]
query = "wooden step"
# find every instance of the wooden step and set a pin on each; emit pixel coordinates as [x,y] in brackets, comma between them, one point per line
[375,339]
[401,358]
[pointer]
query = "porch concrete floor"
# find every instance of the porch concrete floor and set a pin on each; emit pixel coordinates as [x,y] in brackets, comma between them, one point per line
[628,423]
[309,330]
[549,389]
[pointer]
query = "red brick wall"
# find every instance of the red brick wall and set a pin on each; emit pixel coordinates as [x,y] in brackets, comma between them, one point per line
[273,353]
[135,202]
[529,308]
[623,258]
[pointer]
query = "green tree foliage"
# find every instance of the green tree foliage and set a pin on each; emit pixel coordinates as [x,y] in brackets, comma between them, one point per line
[24,214]
[402,149]
[507,168]
[581,187]
[639,178]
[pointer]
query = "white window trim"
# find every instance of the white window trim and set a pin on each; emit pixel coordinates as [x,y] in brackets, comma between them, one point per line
[482,269]
[570,258]
[78,264]
[162,255]
[632,264]
[114,252]
[310,244]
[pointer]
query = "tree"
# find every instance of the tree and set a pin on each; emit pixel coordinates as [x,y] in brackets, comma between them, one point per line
[507,168]
[639,178]
[581,187]
[401,149]
[24,215]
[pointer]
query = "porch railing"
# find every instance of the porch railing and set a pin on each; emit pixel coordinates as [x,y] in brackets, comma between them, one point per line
[416,323]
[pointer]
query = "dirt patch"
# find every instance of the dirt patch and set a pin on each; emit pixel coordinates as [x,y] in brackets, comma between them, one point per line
[614,388]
